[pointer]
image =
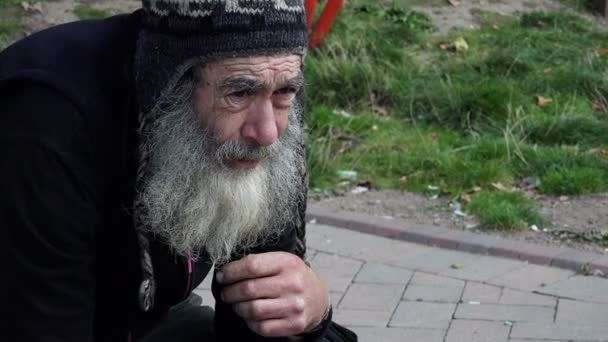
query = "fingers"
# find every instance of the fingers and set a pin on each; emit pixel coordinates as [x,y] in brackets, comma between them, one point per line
[246,290]
[256,266]
[267,309]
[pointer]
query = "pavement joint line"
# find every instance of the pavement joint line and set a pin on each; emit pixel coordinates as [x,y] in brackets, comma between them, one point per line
[502,287]
[352,281]
[399,303]
[463,241]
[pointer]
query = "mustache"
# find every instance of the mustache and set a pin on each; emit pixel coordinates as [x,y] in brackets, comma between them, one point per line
[241,150]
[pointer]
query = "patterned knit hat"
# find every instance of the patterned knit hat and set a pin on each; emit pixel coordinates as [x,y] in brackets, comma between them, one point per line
[178,34]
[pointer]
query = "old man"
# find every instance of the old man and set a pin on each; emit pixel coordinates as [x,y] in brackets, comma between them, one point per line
[142,151]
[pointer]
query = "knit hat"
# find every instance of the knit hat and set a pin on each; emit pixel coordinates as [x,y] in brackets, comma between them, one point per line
[178,34]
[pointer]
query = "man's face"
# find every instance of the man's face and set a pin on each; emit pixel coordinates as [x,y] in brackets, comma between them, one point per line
[225,166]
[247,100]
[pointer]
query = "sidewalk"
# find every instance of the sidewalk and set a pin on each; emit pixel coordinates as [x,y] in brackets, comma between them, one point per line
[389,290]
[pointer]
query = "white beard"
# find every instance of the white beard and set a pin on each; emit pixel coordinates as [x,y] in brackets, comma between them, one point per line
[193,201]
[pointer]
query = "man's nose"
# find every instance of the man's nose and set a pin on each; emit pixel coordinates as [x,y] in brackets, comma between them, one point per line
[261,124]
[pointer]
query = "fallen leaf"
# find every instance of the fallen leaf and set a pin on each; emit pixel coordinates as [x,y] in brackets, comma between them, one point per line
[403,179]
[563,198]
[460,44]
[454,2]
[476,189]
[456,266]
[547,70]
[599,105]
[543,101]
[603,52]
[541,24]
[495,27]
[434,136]
[465,199]
[445,46]
[502,187]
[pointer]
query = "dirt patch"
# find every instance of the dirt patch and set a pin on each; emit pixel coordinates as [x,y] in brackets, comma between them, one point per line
[580,214]
[62,11]
[465,15]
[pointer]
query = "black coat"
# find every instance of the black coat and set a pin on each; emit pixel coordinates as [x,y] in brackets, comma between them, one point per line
[68,144]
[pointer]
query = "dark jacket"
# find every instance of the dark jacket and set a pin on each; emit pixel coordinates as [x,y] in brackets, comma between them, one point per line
[68,144]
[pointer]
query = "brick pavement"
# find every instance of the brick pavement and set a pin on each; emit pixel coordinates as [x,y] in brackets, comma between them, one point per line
[388,290]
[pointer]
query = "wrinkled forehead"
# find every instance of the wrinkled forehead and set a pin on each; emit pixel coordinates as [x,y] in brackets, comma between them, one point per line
[271,70]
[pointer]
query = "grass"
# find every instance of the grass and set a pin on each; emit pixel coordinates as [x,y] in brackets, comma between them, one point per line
[10,24]
[505,210]
[84,12]
[421,117]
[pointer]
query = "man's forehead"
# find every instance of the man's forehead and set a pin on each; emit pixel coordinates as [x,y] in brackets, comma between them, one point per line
[269,68]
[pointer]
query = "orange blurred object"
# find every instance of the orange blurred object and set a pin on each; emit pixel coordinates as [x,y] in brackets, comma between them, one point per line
[326,19]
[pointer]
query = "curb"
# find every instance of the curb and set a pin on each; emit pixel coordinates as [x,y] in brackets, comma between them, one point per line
[561,257]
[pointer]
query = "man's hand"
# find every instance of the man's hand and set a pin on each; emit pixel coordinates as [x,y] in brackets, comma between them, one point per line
[276,293]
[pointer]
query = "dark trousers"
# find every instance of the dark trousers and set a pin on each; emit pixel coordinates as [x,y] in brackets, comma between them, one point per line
[185,322]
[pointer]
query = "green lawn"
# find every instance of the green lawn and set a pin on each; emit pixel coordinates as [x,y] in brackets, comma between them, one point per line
[521,99]
[526,101]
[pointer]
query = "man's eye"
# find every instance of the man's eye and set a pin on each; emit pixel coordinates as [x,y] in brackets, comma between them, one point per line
[241,93]
[287,91]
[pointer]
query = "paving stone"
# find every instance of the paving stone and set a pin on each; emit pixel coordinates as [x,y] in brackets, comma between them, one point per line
[372,297]
[206,295]
[477,331]
[514,297]
[495,312]
[206,284]
[433,293]
[436,260]
[432,288]
[423,315]
[573,259]
[426,279]
[581,313]
[592,289]
[565,332]
[482,268]
[335,297]
[361,317]
[531,277]
[383,274]
[362,246]
[541,341]
[473,267]
[482,293]
[310,253]
[338,272]
[366,334]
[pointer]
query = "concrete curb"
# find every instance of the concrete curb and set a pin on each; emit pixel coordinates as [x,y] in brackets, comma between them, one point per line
[561,257]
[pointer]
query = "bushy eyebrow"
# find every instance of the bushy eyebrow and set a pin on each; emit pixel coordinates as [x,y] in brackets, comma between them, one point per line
[240,83]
